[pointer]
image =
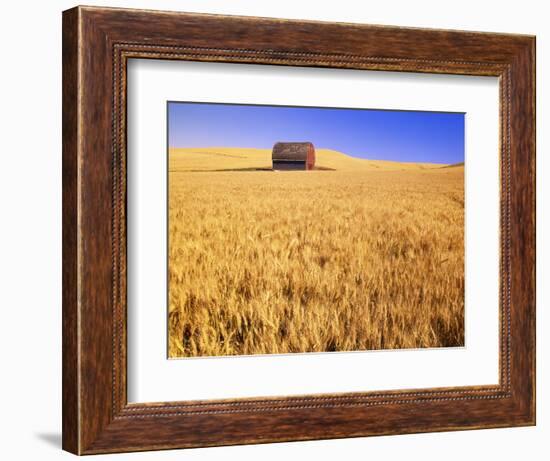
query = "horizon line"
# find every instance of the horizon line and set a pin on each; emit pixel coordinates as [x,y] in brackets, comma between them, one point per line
[317,148]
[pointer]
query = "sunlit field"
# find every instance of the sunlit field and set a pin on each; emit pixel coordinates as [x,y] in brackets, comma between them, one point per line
[356,255]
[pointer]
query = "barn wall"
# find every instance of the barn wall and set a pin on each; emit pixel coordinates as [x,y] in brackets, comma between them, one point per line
[288,165]
[311,157]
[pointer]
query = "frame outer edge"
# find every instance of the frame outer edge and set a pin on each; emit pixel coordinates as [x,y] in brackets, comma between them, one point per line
[534,212]
[91,423]
[533,180]
[70,235]
[523,238]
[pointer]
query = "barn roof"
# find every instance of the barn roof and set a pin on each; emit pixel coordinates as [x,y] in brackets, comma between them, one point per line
[291,150]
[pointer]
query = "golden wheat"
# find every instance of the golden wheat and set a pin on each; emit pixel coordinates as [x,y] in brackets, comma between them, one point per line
[369,256]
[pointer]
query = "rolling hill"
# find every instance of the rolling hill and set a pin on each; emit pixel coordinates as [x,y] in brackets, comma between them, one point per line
[243,159]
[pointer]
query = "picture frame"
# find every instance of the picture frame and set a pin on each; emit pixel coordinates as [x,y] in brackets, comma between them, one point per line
[97,45]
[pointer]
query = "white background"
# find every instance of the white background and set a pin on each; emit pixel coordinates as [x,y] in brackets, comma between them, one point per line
[152,378]
[30,247]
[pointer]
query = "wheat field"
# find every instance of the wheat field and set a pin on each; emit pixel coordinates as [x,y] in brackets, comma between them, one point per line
[359,255]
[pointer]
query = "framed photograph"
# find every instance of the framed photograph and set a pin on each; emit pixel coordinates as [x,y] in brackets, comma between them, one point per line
[282,230]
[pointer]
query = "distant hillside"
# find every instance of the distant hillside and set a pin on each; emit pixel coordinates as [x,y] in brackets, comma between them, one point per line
[235,158]
[340,161]
[218,158]
[454,165]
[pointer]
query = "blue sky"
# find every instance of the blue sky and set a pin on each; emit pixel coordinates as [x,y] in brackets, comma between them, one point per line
[404,136]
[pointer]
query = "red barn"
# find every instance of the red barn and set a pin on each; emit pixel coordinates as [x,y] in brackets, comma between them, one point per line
[293,156]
